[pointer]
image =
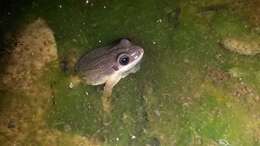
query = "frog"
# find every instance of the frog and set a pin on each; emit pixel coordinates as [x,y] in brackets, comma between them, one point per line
[108,65]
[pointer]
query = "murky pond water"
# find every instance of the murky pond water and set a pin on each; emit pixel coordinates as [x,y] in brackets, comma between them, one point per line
[198,83]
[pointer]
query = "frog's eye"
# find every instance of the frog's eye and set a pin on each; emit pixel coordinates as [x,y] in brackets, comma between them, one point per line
[123,59]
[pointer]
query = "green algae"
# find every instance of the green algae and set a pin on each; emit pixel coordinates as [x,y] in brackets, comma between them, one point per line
[170,101]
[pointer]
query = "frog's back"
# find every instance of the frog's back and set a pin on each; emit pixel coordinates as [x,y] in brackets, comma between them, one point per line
[95,66]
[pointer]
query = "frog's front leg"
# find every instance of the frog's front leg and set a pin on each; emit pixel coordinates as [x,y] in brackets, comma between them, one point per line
[106,97]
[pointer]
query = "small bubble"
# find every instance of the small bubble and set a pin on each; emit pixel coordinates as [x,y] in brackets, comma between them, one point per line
[60,6]
[159,21]
[117,139]
[99,41]
[133,137]
[104,7]
[154,42]
[87,1]
[71,85]
[86,93]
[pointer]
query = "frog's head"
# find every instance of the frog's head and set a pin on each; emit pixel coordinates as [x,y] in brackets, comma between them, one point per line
[128,56]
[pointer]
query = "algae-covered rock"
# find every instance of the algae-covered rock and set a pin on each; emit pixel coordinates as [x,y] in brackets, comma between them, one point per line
[35,47]
[244,46]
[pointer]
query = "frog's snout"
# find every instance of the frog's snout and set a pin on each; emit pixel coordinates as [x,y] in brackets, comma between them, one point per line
[141,50]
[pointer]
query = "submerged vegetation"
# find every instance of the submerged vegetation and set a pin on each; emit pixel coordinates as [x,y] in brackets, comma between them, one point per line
[197,84]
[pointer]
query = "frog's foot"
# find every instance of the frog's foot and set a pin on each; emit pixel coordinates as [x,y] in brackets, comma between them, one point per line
[74,81]
[106,118]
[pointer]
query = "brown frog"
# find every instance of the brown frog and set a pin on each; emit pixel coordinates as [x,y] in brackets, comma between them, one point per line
[108,65]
